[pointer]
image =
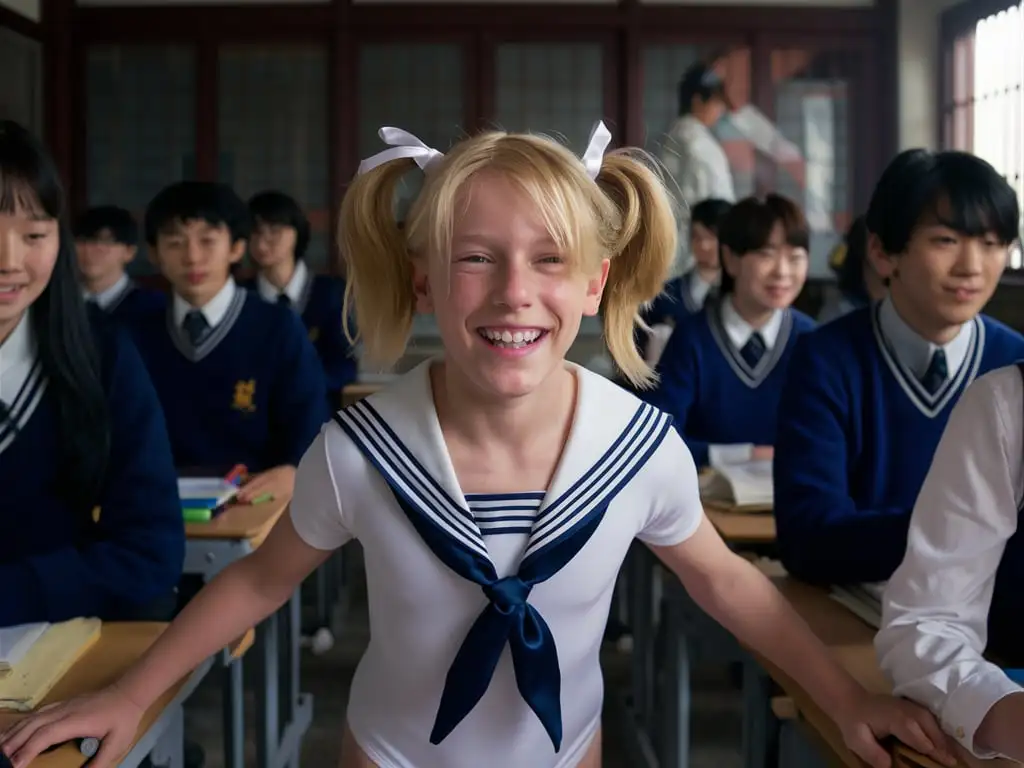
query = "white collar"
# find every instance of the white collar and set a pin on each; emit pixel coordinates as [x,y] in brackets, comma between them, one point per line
[107,297]
[214,310]
[293,290]
[915,352]
[17,356]
[740,331]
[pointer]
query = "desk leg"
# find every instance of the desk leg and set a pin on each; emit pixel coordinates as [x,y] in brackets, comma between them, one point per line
[268,698]
[760,727]
[234,712]
[674,741]
[169,751]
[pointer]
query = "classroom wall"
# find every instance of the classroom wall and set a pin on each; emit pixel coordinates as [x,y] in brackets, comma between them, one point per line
[919,71]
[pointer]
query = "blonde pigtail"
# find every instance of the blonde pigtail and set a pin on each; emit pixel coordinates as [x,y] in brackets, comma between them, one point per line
[378,269]
[641,260]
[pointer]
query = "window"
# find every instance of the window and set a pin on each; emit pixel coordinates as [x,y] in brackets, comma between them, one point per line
[983,94]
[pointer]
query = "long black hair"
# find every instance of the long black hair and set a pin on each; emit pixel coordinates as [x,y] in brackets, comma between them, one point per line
[67,350]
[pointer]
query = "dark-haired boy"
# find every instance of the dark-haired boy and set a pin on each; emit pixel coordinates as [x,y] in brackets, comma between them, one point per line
[238,378]
[106,241]
[278,246]
[869,394]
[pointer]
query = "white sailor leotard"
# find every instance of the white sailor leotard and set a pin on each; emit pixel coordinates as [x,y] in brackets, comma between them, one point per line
[486,614]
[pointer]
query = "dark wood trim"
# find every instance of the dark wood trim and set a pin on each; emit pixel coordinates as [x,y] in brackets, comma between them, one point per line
[15,22]
[623,30]
[58,85]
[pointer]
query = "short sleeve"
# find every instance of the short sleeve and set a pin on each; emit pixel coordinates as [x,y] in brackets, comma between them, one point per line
[670,479]
[316,511]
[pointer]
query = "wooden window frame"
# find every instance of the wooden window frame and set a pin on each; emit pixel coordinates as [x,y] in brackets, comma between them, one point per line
[623,29]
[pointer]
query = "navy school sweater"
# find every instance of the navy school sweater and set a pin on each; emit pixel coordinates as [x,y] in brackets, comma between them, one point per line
[714,397]
[857,433]
[56,561]
[321,307]
[251,393]
[134,302]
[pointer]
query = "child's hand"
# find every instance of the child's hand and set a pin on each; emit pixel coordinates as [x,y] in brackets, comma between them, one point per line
[108,716]
[875,717]
[762,453]
[277,483]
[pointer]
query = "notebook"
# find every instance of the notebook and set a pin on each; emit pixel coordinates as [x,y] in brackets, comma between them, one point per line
[205,492]
[744,486]
[25,686]
[15,642]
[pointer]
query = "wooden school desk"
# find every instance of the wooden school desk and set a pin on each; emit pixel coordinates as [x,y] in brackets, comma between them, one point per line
[669,635]
[851,640]
[282,717]
[161,732]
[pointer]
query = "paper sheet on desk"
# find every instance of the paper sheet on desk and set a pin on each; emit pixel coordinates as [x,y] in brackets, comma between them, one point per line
[15,642]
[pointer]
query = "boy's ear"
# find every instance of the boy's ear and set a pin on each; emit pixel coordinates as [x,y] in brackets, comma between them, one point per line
[885,265]
[238,250]
[129,254]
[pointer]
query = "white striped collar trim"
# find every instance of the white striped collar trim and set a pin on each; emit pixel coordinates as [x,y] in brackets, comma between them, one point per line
[927,403]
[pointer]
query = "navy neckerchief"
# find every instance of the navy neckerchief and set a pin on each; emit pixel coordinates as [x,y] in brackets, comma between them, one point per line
[562,527]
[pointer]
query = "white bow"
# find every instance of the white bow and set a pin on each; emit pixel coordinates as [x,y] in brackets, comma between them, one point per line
[403,144]
[600,138]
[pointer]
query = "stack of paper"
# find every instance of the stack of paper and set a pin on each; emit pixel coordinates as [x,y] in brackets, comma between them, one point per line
[744,486]
[15,642]
[49,658]
[864,600]
[200,496]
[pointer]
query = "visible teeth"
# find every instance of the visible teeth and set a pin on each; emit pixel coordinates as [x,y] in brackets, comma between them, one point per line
[511,338]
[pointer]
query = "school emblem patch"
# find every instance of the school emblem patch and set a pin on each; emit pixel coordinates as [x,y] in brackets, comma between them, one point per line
[314,334]
[245,391]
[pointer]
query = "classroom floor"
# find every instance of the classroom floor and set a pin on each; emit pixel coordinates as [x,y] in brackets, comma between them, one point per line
[716,727]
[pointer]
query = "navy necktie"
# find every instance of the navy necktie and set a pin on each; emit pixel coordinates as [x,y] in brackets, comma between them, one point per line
[283,300]
[196,327]
[753,350]
[937,373]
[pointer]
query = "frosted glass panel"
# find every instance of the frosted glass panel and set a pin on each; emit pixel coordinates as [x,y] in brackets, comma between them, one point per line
[551,88]
[21,85]
[140,120]
[415,86]
[272,129]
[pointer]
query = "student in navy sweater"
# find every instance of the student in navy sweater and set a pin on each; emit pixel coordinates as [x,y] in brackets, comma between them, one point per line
[278,246]
[869,393]
[722,370]
[238,377]
[90,522]
[685,295]
[106,240]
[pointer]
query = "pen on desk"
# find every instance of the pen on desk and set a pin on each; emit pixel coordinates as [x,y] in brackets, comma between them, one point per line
[262,498]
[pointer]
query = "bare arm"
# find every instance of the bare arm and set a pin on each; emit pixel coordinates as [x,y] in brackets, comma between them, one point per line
[733,592]
[241,596]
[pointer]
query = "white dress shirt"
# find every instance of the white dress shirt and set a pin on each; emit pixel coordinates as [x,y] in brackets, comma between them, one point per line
[293,290]
[105,298]
[17,356]
[699,168]
[935,608]
[913,350]
[214,310]
[739,332]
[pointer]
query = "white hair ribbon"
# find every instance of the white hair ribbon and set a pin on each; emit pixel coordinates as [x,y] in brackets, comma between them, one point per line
[402,144]
[600,138]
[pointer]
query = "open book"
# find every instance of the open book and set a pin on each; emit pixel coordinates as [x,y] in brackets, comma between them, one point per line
[15,642]
[864,600]
[740,486]
[205,492]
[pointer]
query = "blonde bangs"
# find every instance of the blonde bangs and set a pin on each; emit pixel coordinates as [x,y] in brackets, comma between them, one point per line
[580,219]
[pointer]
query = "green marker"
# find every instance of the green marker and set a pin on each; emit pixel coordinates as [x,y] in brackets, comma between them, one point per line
[263,497]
